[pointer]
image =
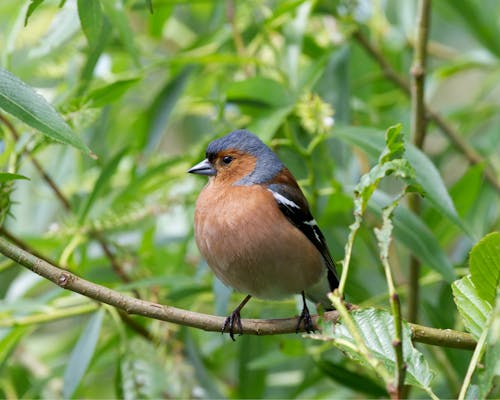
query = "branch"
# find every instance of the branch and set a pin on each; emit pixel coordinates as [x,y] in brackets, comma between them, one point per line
[418,133]
[131,305]
[453,135]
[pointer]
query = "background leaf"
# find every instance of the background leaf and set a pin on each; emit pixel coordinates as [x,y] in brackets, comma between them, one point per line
[6,176]
[485,267]
[377,330]
[82,353]
[24,103]
[473,309]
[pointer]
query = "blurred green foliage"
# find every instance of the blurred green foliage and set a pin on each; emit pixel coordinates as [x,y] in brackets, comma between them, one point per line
[146,92]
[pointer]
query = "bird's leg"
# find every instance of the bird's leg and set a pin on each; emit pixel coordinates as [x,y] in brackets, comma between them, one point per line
[305,316]
[234,319]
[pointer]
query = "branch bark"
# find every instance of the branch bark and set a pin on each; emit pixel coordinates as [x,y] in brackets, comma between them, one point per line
[130,305]
[418,133]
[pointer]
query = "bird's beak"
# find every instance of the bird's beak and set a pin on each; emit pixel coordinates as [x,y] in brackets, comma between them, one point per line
[203,168]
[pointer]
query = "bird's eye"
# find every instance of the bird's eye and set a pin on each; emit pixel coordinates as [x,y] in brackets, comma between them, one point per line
[227,159]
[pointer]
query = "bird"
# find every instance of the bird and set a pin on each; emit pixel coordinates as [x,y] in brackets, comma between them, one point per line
[254,228]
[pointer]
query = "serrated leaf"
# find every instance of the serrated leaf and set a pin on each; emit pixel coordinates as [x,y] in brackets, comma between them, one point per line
[20,100]
[377,330]
[369,181]
[6,176]
[492,355]
[372,142]
[412,232]
[81,355]
[394,144]
[472,308]
[485,266]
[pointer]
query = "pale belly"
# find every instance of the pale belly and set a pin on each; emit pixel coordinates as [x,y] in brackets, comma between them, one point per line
[277,261]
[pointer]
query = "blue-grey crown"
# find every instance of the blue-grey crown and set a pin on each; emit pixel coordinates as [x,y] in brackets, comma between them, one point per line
[268,164]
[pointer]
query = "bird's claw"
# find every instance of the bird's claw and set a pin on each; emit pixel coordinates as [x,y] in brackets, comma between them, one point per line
[305,317]
[231,322]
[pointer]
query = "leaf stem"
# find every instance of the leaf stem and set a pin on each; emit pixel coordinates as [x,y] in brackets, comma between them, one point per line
[347,320]
[384,235]
[49,316]
[418,133]
[476,356]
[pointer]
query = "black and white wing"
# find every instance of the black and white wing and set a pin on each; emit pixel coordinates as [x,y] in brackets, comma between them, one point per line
[294,206]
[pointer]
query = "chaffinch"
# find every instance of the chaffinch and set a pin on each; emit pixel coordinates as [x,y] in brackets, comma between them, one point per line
[253,226]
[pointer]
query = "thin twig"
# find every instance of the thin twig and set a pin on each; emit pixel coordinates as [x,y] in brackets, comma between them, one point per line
[418,132]
[384,239]
[470,153]
[476,357]
[130,305]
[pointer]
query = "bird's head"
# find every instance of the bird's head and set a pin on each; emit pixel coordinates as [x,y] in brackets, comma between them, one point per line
[239,158]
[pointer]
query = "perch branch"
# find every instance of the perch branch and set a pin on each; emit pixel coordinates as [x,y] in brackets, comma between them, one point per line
[130,305]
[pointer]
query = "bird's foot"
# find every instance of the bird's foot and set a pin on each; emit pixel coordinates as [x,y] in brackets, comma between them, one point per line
[232,322]
[305,317]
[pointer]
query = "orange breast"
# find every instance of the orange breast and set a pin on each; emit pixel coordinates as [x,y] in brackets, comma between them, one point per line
[251,246]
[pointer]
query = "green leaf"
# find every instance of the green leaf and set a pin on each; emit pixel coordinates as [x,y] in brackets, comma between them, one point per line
[394,144]
[412,232]
[9,338]
[101,184]
[20,100]
[6,176]
[351,379]
[93,55]
[369,181]
[163,105]
[81,355]
[109,93]
[91,20]
[372,142]
[473,309]
[252,381]
[485,266]
[492,355]
[116,13]
[377,330]
[31,9]
[268,121]
[481,22]
[259,90]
